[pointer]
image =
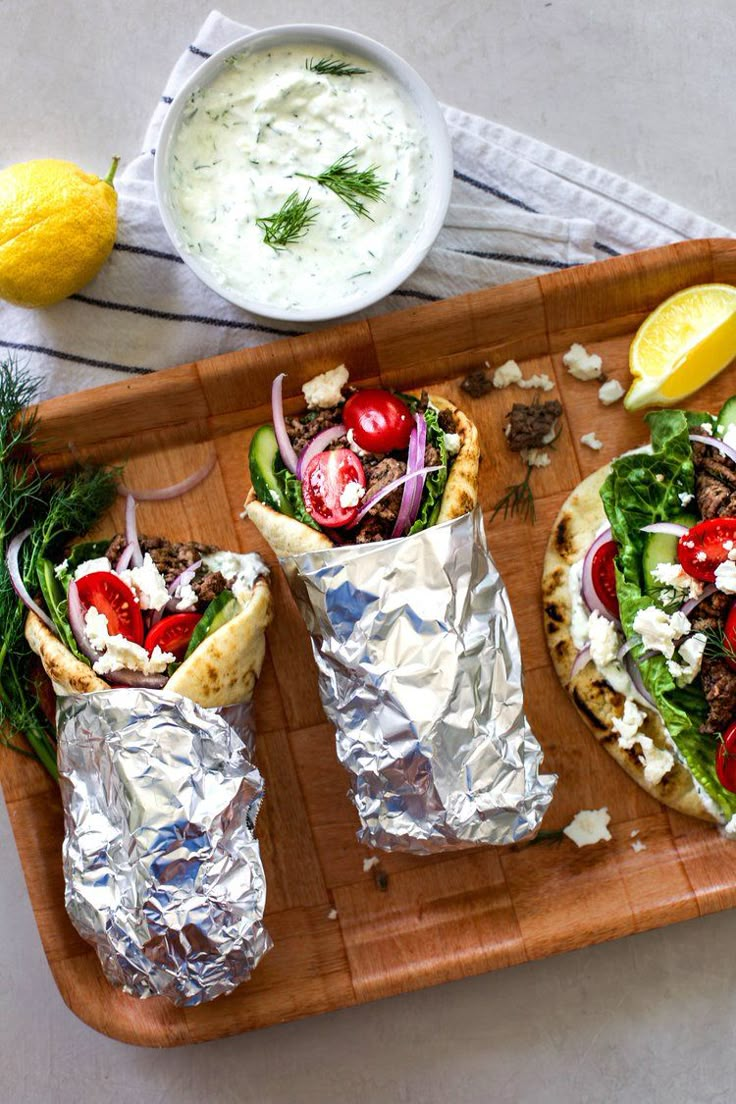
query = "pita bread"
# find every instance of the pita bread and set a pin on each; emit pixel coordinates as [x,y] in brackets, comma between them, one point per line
[221,671]
[597,702]
[289,537]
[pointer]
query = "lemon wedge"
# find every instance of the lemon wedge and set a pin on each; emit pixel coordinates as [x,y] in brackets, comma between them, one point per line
[683,344]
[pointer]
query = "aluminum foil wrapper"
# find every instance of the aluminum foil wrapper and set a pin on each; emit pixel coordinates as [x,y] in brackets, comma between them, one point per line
[162,868]
[420,672]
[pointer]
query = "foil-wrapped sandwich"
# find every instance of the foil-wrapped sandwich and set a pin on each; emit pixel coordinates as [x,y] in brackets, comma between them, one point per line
[369,499]
[154,648]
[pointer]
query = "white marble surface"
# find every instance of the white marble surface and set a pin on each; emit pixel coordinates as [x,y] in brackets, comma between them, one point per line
[644,89]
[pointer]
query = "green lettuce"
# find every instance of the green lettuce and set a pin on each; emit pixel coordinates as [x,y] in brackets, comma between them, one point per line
[434,486]
[291,489]
[644,488]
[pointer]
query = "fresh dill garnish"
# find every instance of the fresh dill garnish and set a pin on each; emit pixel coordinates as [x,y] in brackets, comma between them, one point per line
[290,223]
[334,67]
[718,646]
[55,508]
[350,183]
[518,500]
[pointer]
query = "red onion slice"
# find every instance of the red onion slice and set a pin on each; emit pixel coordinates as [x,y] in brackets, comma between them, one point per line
[669,527]
[158,494]
[376,498]
[626,647]
[319,444]
[279,424]
[126,677]
[131,532]
[691,603]
[580,661]
[635,676]
[12,559]
[407,497]
[716,444]
[75,613]
[125,557]
[591,599]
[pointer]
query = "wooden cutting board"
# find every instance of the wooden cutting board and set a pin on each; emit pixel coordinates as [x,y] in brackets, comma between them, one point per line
[411,921]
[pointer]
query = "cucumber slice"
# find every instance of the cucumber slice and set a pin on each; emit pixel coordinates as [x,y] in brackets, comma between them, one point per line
[220,610]
[661,548]
[727,415]
[264,451]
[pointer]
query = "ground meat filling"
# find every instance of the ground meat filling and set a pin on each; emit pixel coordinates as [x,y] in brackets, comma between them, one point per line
[173,557]
[477,384]
[532,425]
[715,482]
[303,430]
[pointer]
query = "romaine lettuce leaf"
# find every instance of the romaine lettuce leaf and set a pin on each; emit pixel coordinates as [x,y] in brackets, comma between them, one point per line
[644,488]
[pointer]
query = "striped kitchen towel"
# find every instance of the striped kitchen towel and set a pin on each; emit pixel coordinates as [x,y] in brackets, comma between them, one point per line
[518,208]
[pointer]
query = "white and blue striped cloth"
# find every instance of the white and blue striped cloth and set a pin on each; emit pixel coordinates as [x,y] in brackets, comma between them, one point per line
[519,208]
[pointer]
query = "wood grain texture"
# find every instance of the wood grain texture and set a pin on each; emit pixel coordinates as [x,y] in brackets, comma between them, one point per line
[411,921]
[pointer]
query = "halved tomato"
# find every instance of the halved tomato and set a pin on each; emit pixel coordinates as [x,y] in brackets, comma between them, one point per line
[603,574]
[380,420]
[726,759]
[326,487]
[111,596]
[172,634]
[705,546]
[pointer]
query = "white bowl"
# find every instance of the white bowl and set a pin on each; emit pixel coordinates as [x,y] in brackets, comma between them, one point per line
[437,195]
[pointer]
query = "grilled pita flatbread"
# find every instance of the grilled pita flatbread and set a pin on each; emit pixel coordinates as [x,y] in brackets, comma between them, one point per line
[289,537]
[597,702]
[221,671]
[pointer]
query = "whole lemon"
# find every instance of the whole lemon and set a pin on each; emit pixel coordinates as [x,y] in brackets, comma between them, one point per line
[57,228]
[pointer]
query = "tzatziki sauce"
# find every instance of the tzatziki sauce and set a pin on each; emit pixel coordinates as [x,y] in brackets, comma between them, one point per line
[267,116]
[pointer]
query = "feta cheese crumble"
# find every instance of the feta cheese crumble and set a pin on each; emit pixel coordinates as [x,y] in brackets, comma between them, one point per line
[61,568]
[118,653]
[610,392]
[685,498]
[726,576]
[535,457]
[589,826]
[628,724]
[186,597]
[591,441]
[604,640]
[581,364]
[89,567]
[539,382]
[706,428]
[351,495]
[729,437]
[659,631]
[452,443]
[674,575]
[325,390]
[508,373]
[656,761]
[332,914]
[354,446]
[638,845]
[690,659]
[368,864]
[147,583]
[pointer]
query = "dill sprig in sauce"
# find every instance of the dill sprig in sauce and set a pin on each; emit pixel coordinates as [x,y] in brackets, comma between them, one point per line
[290,223]
[350,183]
[56,509]
[332,66]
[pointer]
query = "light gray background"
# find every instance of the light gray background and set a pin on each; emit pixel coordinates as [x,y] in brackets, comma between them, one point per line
[645,89]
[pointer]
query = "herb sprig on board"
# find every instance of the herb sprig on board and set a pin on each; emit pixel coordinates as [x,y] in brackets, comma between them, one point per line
[332,66]
[351,184]
[518,500]
[290,223]
[56,509]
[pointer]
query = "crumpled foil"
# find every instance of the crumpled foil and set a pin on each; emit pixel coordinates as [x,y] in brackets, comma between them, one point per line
[162,868]
[420,673]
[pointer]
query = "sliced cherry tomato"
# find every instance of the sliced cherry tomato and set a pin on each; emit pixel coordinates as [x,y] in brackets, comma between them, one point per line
[324,483]
[172,634]
[726,759]
[111,596]
[701,549]
[603,574]
[380,421]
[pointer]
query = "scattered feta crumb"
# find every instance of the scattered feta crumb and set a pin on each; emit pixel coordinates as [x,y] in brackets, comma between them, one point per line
[535,457]
[659,631]
[508,373]
[659,477]
[581,364]
[690,661]
[707,428]
[540,382]
[730,828]
[325,390]
[591,441]
[368,864]
[147,584]
[604,640]
[118,652]
[674,575]
[610,392]
[452,443]
[729,437]
[332,914]
[638,845]
[685,498]
[634,832]
[354,446]
[726,576]
[628,724]
[187,597]
[351,495]
[89,567]
[589,826]
[61,568]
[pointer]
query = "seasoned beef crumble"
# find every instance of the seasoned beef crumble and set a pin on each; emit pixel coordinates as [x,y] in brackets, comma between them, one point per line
[529,425]
[173,557]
